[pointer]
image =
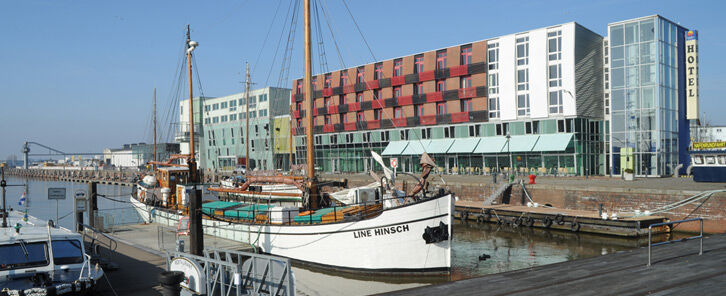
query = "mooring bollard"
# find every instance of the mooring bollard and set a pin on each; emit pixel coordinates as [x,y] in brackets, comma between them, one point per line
[169,281]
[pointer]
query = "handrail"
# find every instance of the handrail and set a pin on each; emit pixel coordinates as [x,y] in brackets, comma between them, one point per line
[650,236]
[112,244]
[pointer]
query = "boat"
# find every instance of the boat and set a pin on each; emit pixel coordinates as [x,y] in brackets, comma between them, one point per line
[39,258]
[369,229]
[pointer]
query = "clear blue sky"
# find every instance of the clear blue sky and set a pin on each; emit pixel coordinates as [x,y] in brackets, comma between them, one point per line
[79,75]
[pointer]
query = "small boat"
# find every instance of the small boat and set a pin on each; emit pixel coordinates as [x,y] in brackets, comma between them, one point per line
[38,258]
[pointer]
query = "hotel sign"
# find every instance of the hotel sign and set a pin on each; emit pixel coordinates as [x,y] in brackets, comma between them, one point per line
[692,74]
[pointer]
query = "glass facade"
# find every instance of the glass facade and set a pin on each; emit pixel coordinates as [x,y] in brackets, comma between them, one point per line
[644,90]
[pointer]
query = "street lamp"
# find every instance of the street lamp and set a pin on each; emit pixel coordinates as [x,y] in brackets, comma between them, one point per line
[511,165]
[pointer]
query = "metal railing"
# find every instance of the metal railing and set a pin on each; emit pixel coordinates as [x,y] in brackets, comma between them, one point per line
[98,239]
[650,236]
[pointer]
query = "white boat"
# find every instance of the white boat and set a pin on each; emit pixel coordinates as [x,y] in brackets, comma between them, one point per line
[40,259]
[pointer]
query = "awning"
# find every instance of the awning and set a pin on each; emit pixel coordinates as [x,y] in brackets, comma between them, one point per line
[416,147]
[395,148]
[466,145]
[553,142]
[523,143]
[490,145]
[439,146]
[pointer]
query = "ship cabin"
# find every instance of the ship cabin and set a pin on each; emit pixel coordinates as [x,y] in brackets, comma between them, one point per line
[708,160]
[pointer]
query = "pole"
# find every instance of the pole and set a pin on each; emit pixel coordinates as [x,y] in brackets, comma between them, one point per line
[509,151]
[93,203]
[196,234]
[313,198]
[154,165]
[3,184]
[247,118]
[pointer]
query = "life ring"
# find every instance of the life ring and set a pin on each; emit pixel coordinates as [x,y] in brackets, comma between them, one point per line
[547,222]
[560,219]
[575,227]
[528,221]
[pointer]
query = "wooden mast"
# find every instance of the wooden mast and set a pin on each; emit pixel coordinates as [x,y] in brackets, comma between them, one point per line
[313,198]
[247,118]
[196,235]
[192,155]
[155,159]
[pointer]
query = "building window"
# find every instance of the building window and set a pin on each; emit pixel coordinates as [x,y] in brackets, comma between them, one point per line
[299,88]
[344,78]
[466,105]
[345,117]
[359,116]
[360,76]
[233,103]
[523,105]
[215,107]
[418,64]
[341,100]
[531,127]
[465,82]
[418,88]
[441,60]
[377,94]
[523,79]
[253,114]
[378,71]
[377,114]
[493,83]
[440,85]
[328,119]
[359,97]
[366,137]
[465,55]
[223,105]
[298,106]
[298,122]
[522,51]
[398,112]
[243,116]
[396,91]
[554,45]
[474,130]
[419,109]
[403,134]
[440,108]
[328,102]
[328,81]
[555,75]
[385,136]
[493,55]
[242,101]
[232,117]
[215,119]
[449,132]
[262,98]
[555,100]
[263,112]
[315,83]
[398,67]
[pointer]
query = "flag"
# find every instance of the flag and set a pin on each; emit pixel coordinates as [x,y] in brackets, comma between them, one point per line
[22,200]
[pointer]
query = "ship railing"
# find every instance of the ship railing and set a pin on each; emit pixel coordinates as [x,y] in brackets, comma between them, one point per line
[650,236]
[97,239]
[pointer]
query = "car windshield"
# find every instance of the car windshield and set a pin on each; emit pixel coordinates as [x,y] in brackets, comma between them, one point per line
[67,252]
[23,255]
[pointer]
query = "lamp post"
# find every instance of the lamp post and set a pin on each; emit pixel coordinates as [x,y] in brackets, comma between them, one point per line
[509,151]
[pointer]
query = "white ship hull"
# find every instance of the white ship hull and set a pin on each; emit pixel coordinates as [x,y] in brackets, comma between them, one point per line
[390,242]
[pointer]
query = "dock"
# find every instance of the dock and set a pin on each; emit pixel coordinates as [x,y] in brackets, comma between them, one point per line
[557,218]
[676,269]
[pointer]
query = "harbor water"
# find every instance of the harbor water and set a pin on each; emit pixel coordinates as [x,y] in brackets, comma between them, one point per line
[478,249]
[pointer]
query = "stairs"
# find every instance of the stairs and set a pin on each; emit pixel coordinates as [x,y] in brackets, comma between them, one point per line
[494,196]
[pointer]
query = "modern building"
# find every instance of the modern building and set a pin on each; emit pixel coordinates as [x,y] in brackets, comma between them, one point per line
[649,131]
[534,99]
[221,130]
[708,133]
[138,154]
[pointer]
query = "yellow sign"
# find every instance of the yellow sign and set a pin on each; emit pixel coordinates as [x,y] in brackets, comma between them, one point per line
[282,135]
[708,145]
[692,75]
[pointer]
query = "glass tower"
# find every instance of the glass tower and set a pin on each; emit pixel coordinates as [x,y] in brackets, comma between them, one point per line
[646,67]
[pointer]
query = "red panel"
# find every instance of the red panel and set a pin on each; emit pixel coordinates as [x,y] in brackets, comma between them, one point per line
[296,113]
[458,70]
[329,128]
[465,93]
[374,124]
[406,100]
[378,104]
[353,107]
[426,76]
[459,117]
[428,119]
[434,97]
[372,84]
[398,80]
[327,92]
[349,126]
[399,122]
[315,112]
[348,88]
[333,109]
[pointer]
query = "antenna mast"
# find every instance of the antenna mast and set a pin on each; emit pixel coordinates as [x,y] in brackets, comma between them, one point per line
[247,117]
[155,159]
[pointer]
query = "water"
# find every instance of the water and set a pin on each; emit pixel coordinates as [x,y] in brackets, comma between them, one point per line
[510,248]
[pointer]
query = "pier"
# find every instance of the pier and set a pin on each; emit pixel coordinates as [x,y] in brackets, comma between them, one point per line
[676,269]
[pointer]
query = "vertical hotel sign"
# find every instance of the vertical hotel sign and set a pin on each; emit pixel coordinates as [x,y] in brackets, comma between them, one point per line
[692,74]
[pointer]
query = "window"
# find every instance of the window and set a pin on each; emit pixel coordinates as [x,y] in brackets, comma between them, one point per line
[378,71]
[243,116]
[419,110]
[233,103]
[327,102]
[398,112]
[426,133]
[396,91]
[298,106]
[24,255]
[440,85]
[215,119]
[359,116]
[366,137]
[328,81]
[441,108]
[561,126]
[398,67]
[341,100]
[555,102]
[253,102]
[498,128]
[465,55]
[242,101]
[523,105]
[67,252]
[315,83]
[253,114]
[343,77]
[206,109]
[531,127]
[403,134]
[493,83]
[377,114]
[441,60]
[348,138]
[262,113]
[299,88]
[418,88]
[449,132]
[555,75]
[377,94]
[466,105]
[262,98]
[493,55]
[523,79]
[298,122]
[474,130]
[207,121]
[359,97]
[418,64]
[554,45]
[215,107]
[385,136]
[465,82]
[522,51]
[493,107]
[345,117]
[328,119]
[360,75]
[224,118]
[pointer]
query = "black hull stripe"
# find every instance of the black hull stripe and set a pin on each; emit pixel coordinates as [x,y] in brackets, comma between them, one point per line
[349,230]
[379,271]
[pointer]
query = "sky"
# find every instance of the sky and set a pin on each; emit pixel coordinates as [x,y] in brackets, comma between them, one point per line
[79,76]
